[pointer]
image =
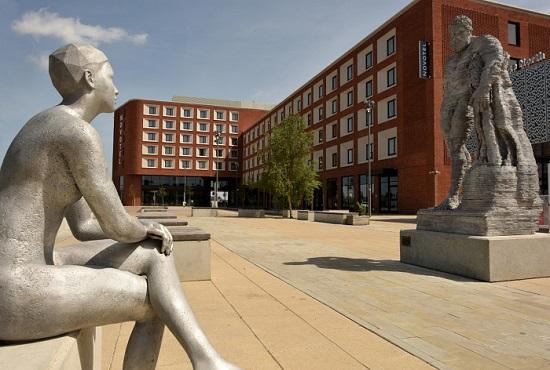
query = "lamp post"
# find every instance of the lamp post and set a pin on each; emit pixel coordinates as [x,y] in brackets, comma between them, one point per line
[217,138]
[369,106]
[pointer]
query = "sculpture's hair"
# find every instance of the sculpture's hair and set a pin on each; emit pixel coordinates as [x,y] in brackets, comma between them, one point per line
[68,63]
[462,21]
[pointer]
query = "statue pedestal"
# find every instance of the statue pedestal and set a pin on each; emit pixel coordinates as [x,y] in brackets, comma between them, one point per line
[497,200]
[487,258]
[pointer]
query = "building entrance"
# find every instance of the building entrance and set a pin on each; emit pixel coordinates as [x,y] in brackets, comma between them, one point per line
[388,194]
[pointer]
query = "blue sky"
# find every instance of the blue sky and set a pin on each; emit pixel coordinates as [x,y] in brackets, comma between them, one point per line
[233,49]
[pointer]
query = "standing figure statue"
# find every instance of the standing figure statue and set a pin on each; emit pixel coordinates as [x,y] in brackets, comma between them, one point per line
[478,94]
[55,168]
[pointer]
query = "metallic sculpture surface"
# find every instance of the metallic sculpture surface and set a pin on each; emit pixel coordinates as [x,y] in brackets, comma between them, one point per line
[498,193]
[55,168]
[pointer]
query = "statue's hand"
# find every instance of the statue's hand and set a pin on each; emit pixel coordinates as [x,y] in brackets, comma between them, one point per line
[160,232]
[481,99]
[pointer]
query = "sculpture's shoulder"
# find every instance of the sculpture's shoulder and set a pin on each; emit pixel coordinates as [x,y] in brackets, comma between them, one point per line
[66,126]
[487,44]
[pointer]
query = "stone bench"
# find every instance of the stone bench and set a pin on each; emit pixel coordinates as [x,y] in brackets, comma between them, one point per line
[204,212]
[143,210]
[330,217]
[191,253]
[167,221]
[251,213]
[78,350]
[305,215]
[155,215]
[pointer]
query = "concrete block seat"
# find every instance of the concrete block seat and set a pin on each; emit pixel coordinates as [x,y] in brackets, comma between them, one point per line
[191,253]
[204,212]
[330,217]
[167,221]
[251,213]
[153,207]
[78,350]
[155,215]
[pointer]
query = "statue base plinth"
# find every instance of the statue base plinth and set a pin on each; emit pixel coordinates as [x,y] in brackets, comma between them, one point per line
[486,258]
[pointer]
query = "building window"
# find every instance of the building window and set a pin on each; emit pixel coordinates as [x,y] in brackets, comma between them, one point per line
[168,137]
[186,126]
[151,123]
[368,60]
[220,128]
[334,106]
[513,33]
[185,164]
[202,152]
[392,150]
[218,153]
[203,113]
[308,99]
[234,116]
[320,136]
[391,108]
[390,46]
[168,163]
[185,138]
[350,124]
[334,130]
[169,125]
[334,159]
[334,82]
[152,110]
[219,115]
[391,77]
[321,90]
[309,119]
[168,111]
[368,88]
[347,192]
[151,136]
[320,163]
[233,166]
[185,151]
[321,113]
[202,165]
[350,98]
[350,156]
[151,149]
[203,126]
[151,163]
[369,119]
[349,72]
[234,129]
[203,139]
[169,150]
[299,105]
[187,113]
[233,153]
[234,141]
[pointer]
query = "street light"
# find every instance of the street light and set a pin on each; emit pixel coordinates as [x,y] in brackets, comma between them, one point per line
[369,106]
[217,139]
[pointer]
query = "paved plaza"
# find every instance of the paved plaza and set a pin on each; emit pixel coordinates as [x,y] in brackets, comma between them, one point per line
[301,295]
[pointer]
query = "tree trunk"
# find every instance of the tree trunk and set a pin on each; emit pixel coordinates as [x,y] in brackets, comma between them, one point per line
[289,207]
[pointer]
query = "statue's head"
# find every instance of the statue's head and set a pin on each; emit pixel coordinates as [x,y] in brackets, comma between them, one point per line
[461,32]
[79,69]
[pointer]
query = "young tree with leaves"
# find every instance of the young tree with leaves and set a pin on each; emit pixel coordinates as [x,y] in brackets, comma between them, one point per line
[288,173]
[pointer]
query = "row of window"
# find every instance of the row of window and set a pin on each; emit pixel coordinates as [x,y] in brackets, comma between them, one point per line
[188,126]
[186,151]
[171,111]
[368,154]
[187,138]
[185,164]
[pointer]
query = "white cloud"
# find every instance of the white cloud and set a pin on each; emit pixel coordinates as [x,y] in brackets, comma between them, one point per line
[41,61]
[43,23]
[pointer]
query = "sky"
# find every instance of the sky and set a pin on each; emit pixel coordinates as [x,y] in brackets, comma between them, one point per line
[226,49]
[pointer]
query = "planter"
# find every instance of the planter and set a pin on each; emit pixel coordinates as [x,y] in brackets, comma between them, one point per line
[356,220]
[305,215]
[251,213]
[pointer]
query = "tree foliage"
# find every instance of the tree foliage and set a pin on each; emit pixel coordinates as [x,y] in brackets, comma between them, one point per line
[289,175]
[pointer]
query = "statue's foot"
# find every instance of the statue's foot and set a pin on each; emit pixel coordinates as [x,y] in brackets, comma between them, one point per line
[448,204]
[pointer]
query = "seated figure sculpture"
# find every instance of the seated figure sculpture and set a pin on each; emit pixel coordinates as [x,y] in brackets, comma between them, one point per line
[55,168]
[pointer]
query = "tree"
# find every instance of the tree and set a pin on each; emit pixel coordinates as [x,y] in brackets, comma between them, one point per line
[163,192]
[289,174]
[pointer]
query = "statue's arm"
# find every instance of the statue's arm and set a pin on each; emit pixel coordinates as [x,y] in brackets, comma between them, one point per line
[81,146]
[83,224]
[493,56]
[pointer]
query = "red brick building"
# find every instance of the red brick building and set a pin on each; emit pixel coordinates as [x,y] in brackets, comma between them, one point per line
[166,151]
[410,167]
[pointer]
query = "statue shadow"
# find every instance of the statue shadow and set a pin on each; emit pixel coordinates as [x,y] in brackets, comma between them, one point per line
[366,265]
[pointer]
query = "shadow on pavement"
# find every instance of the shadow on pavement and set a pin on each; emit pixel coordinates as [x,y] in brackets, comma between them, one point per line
[365,264]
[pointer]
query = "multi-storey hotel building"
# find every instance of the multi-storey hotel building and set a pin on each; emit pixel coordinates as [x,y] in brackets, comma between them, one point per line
[168,151]
[399,66]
